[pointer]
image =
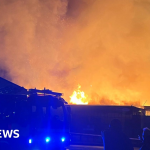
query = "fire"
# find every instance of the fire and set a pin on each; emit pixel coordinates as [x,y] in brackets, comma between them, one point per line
[78,97]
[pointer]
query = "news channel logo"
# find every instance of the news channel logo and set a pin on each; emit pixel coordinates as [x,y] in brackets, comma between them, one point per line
[9,133]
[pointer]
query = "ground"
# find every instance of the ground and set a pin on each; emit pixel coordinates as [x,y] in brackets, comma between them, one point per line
[80,147]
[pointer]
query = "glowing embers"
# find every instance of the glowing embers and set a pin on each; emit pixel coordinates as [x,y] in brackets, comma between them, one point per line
[47,139]
[78,97]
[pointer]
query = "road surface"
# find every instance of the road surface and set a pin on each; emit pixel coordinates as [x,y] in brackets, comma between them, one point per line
[81,147]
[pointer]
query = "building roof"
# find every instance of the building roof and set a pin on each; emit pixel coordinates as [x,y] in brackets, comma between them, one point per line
[105,108]
[7,87]
[147,107]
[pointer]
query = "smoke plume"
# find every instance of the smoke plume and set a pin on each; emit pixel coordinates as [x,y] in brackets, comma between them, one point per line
[101,45]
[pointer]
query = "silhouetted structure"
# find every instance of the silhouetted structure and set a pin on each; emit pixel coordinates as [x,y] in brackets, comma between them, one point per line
[92,119]
[9,88]
[32,113]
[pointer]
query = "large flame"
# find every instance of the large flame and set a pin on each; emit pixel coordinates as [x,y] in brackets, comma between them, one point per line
[78,97]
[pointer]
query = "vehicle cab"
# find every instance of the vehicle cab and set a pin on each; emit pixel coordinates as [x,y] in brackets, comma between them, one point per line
[49,121]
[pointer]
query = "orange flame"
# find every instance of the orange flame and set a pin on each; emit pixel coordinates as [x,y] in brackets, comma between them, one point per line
[78,97]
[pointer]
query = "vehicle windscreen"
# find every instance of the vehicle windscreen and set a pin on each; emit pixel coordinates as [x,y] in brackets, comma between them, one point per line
[48,119]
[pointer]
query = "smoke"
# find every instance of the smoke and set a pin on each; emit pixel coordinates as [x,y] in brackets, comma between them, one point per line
[58,44]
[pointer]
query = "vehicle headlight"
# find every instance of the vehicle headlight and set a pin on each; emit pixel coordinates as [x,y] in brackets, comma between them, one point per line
[63,139]
[30,141]
[47,139]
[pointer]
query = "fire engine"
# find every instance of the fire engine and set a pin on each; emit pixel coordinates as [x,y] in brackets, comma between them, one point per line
[41,116]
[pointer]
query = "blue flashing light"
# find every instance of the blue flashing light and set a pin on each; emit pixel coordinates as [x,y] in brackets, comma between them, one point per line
[30,141]
[63,139]
[47,139]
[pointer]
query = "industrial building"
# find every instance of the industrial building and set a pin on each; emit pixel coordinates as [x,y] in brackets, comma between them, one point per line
[92,119]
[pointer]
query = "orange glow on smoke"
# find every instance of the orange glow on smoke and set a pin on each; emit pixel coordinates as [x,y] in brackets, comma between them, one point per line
[57,44]
[78,97]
